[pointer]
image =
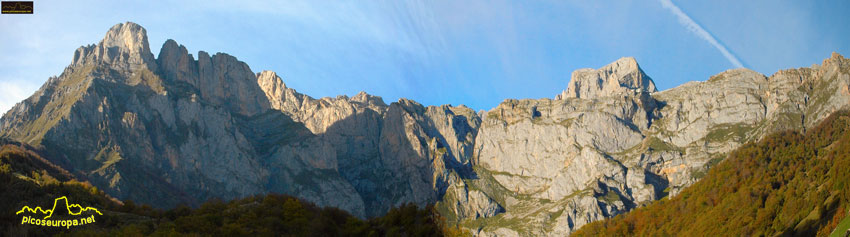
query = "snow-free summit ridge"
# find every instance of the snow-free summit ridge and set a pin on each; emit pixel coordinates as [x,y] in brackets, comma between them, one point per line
[184,128]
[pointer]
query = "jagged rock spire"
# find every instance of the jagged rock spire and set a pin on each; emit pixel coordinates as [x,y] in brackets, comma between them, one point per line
[129,36]
[124,44]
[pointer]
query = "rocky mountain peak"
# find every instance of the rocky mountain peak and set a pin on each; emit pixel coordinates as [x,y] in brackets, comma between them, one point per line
[279,96]
[366,98]
[129,36]
[836,55]
[171,49]
[270,78]
[835,58]
[620,76]
[123,45]
[176,63]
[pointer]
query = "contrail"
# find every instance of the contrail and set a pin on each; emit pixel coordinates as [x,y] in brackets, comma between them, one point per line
[692,26]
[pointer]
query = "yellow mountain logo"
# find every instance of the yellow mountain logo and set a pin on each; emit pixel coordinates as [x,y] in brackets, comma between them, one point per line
[57,203]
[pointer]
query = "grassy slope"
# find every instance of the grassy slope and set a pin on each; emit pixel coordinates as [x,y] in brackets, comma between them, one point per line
[842,227]
[28,179]
[787,183]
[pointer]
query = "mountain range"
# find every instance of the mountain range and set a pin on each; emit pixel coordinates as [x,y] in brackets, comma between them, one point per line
[180,128]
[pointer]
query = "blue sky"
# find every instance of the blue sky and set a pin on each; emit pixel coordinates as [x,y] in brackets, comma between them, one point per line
[476,53]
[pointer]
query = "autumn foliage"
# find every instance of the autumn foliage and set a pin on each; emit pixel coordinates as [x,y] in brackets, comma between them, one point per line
[789,183]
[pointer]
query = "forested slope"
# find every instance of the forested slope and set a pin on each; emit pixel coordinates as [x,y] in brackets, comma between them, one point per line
[789,183]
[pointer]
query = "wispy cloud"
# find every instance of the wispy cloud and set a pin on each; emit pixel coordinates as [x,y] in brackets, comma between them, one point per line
[692,26]
[438,51]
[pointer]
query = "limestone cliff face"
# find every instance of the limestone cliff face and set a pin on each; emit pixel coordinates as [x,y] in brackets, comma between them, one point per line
[391,154]
[220,79]
[175,129]
[595,152]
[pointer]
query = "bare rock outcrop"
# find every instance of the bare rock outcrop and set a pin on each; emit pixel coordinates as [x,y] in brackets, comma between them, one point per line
[175,129]
[605,145]
[620,76]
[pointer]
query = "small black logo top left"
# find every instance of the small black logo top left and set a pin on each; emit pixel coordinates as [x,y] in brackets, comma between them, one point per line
[16,7]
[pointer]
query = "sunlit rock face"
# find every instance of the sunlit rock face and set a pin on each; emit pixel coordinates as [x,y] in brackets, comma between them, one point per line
[610,142]
[183,128]
[620,76]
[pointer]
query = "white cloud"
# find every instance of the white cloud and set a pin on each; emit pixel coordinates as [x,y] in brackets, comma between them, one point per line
[695,28]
